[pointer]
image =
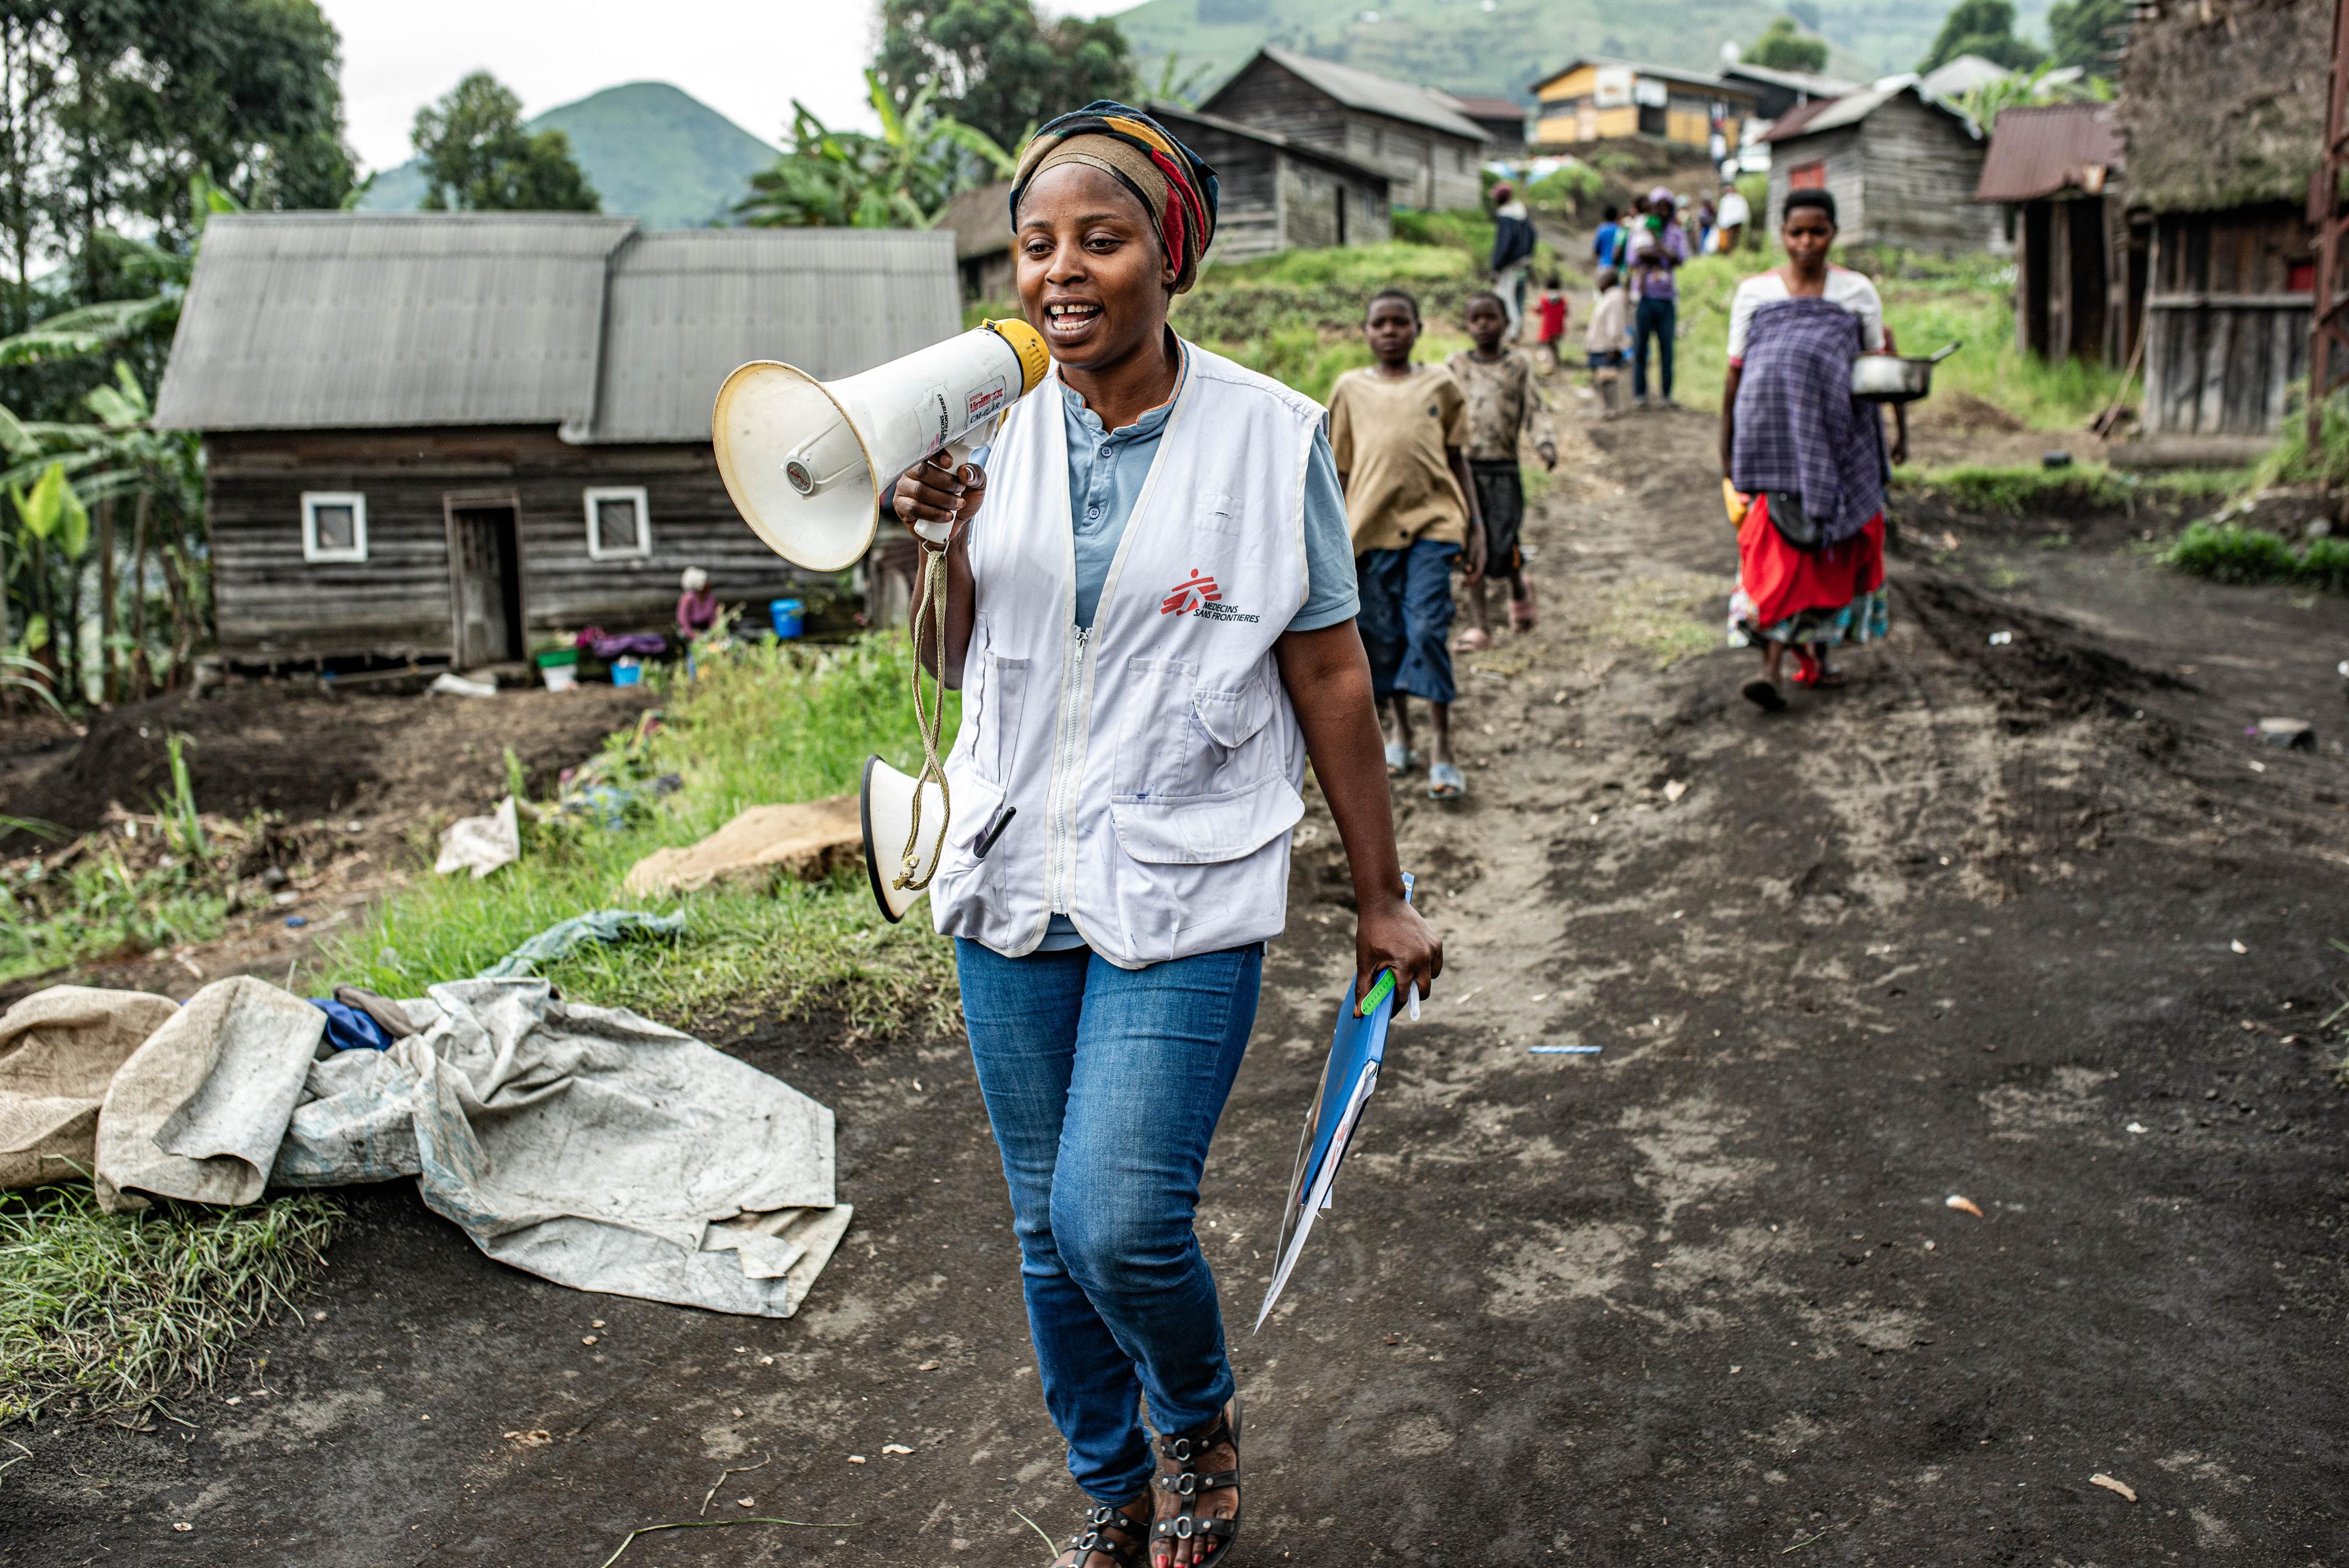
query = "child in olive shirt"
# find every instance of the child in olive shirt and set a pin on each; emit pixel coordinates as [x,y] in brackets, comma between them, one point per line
[1396,431]
[1503,405]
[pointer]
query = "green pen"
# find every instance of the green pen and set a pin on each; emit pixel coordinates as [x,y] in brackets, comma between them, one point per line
[1383,987]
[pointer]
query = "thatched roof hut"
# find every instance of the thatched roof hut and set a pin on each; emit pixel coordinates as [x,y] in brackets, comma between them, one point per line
[2222,113]
[2222,101]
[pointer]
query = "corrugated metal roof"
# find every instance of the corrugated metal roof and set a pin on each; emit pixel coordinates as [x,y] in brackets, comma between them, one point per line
[376,320]
[314,320]
[1808,82]
[1833,114]
[688,306]
[1704,80]
[1179,119]
[1374,94]
[2037,152]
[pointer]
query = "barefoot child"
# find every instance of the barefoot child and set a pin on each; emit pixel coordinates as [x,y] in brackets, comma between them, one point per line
[1396,431]
[1503,405]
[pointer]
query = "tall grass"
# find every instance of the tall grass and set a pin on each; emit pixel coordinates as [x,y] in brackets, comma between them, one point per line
[114,1311]
[2229,553]
[763,724]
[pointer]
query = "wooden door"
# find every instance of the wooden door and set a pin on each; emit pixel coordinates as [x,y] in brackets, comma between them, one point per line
[484,585]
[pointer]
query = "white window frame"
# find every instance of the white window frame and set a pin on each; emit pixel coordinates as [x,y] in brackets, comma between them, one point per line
[314,499]
[602,493]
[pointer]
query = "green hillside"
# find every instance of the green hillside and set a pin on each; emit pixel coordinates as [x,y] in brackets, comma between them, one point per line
[652,150]
[1502,46]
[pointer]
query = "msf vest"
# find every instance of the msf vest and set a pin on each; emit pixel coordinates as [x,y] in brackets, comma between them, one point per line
[1141,776]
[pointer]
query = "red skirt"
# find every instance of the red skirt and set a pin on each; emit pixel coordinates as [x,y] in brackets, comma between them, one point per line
[1782,581]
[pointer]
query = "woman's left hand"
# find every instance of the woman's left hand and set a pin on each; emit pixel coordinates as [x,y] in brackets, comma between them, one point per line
[1392,935]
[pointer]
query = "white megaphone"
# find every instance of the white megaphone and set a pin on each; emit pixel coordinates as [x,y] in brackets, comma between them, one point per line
[807,462]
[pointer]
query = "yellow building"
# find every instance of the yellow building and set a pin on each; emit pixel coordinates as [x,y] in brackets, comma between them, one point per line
[1594,100]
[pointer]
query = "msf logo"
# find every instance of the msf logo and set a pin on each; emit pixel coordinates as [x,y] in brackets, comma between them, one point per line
[1191,597]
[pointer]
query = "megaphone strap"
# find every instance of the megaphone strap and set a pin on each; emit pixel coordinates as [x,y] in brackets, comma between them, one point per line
[929,718]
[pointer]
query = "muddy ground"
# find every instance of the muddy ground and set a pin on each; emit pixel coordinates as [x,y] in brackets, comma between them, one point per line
[2031,922]
[361,781]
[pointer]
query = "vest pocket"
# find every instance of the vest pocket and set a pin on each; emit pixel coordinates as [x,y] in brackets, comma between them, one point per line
[1221,515]
[1003,693]
[1206,829]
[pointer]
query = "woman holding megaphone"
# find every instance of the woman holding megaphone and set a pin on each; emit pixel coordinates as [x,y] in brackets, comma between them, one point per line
[1151,618]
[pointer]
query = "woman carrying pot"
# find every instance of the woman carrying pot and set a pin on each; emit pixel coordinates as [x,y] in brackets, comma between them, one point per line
[1152,619]
[1803,459]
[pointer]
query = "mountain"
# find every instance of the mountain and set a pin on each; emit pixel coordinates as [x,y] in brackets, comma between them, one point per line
[649,148]
[1503,46]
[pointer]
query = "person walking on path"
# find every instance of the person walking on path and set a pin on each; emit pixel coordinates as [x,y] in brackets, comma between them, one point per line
[1153,623]
[1606,338]
[1802,461]
[1396,432]
[1504,406]
[1553,311]
[1608,243]
[1658,248]
[1513,253]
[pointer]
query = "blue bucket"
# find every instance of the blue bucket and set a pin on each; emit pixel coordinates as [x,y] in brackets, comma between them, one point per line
[627,672]
[785,614]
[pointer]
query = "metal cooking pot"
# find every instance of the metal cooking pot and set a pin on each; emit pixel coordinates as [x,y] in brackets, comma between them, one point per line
[1888,378]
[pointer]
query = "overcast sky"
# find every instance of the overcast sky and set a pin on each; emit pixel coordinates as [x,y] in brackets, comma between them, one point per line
[745,58]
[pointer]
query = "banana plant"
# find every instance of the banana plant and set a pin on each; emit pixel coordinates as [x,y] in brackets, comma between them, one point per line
[901,179]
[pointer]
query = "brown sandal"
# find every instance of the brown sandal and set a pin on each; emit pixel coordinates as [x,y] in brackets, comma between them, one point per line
[1085,1542]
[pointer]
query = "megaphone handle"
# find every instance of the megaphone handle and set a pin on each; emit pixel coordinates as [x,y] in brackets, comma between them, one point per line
[961,454]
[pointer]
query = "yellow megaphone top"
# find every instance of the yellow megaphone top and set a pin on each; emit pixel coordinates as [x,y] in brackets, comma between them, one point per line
[1027,343]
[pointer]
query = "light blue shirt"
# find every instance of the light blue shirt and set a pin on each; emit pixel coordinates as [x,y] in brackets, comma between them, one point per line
[1107,470]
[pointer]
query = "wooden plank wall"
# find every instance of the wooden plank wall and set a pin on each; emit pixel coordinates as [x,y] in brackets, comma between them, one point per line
[1920,168]
[2226,336]
[272,604]
[1846,178]
[1310,195]
[1429,169]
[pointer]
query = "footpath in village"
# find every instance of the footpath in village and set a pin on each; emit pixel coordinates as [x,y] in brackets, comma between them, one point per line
[2024,921]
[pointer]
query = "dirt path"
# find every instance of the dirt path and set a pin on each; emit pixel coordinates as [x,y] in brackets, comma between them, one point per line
[2019,922]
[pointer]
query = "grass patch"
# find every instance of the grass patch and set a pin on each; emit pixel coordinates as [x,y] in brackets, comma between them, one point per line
[2291,460]
[765,723]
[1658,617]
[2229,553]
[2028,489]
[111,1312]
[100,909]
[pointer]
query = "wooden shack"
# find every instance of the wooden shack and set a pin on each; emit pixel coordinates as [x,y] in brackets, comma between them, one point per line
[1902,166]
[1504,119]
[1594,98]
[1777,91]
[2223,117]
[980,220]
[451,436]
[1431,153]
[2055,169]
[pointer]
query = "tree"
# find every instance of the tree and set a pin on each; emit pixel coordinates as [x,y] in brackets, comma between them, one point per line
[901,179]
[996,66]
[1782,47]
[1984,28]
[2088,33]
[480,158]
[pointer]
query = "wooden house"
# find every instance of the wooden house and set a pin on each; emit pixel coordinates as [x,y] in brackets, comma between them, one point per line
[1903,165]
[448,436]
[2223,117]
[1432,154]
[1777,91]
[1504,119]
[2078,280]
[1597,100]
[1272,195]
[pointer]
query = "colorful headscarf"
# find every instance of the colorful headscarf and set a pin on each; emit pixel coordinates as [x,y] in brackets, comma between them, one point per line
[1173,183]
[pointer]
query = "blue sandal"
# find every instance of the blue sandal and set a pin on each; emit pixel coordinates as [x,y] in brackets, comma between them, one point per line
[1445,782]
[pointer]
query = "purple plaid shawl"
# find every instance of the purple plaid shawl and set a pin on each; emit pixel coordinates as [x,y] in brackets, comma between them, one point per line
[1798,427]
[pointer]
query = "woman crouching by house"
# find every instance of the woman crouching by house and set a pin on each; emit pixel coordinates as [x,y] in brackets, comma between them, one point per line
[1153,623]
[1803,459]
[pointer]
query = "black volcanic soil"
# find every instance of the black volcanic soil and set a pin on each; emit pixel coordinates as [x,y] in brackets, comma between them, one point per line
[2030,922]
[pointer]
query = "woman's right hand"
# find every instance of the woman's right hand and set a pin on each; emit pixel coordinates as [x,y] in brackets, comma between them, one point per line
[935,491]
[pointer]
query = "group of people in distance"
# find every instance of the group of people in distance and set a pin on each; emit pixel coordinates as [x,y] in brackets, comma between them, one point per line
[1192,580]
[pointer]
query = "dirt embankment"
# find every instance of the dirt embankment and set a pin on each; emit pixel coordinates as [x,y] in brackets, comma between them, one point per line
[1968,927]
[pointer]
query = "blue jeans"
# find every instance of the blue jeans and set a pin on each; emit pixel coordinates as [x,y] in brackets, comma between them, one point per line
[1657,318]
[1103,1086]
[1406,618]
